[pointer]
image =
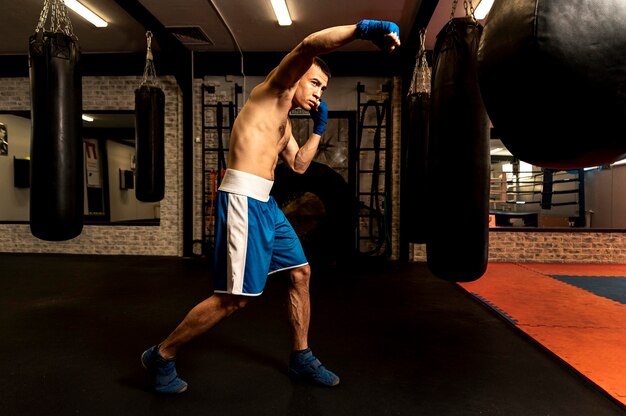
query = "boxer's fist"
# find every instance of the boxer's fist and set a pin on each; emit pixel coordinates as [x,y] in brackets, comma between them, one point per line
[385,35]
[320,118]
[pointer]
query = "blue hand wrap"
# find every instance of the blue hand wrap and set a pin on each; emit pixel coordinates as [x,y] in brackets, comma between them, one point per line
[375,30]
[320,118]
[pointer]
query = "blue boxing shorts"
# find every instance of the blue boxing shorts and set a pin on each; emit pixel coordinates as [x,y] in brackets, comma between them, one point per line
[253,238]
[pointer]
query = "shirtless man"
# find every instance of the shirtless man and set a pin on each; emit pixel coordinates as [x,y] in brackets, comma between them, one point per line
[253,237]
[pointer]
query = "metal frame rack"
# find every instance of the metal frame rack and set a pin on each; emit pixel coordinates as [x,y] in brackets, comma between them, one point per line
[373,141]
[217,122]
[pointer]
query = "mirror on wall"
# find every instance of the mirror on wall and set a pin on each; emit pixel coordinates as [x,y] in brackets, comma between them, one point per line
[109,149]
[523,195]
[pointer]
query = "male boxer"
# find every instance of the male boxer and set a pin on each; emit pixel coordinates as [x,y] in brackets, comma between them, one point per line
[253,237]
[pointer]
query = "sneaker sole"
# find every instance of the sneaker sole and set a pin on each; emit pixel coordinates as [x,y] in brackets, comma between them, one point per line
[307,379]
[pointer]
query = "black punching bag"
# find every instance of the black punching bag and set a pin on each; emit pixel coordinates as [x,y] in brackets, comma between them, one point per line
[418,104]
[458,158]
[150,143]
[553,78]
[57,188]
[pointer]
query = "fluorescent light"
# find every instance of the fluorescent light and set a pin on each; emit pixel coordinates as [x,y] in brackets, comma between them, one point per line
[87,118]
[281,12]
[483,9]
[86,14]
[619,162]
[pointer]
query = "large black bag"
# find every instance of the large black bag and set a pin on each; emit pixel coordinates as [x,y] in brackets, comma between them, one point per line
[553,77]
[57,188]
[458,158]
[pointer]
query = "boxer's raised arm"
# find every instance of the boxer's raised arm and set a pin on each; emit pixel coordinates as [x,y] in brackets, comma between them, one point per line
[385,35]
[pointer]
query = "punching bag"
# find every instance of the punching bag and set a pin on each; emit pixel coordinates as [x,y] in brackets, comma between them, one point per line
[416,150]
[57,188]
[150,143]
[553,78]
[150,133]
[416,165]
[458,158]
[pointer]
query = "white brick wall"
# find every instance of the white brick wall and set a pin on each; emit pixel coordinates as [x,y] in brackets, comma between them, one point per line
[112,93]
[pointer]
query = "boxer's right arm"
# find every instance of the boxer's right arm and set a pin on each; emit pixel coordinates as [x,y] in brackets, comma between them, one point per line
[385,35]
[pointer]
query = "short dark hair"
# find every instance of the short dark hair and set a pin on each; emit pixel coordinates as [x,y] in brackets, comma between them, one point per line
[323,65]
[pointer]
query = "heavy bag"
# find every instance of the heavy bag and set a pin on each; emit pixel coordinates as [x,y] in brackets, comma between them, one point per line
[150,143]
[415,166]
[320,207]
[553,77]
[57,187]
[458,158]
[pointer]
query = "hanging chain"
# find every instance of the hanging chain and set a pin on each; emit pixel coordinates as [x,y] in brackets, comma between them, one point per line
[454,4]
[149,72]
[469,8]
[43,16]
[468,11]
[421,72]
[59,20]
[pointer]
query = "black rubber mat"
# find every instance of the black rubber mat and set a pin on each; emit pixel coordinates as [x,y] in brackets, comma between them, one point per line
[403,342]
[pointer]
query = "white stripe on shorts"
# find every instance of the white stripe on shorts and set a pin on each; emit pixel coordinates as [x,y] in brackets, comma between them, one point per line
[237,242]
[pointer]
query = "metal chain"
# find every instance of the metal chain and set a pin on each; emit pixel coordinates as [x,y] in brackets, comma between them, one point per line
[470,11]
[59,19]
[454,4]
[43,16]
[149,72]
[421,73]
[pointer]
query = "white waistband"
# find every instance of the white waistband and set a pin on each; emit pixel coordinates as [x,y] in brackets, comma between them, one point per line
[243,183]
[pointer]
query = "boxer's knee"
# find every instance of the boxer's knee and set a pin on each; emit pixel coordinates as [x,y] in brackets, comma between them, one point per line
[301,275]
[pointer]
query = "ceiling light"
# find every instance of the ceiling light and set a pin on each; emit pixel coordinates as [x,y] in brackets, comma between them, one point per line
[483,9]
[86,14]
[619,162]
[87,118]
[281,12]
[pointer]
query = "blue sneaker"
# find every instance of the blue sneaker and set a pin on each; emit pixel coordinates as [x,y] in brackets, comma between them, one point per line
[305,366]
[162,371]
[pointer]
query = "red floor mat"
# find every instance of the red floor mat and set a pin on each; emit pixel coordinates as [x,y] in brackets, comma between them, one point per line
[585,330]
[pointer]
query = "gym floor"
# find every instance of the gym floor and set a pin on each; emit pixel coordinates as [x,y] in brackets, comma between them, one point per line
[403,342]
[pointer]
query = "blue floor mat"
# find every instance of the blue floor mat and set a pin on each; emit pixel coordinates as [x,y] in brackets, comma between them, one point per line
[611,287]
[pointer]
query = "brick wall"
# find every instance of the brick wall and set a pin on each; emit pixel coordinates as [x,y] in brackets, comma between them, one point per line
[117,93]
[396,133]
[549,247]
[111,93]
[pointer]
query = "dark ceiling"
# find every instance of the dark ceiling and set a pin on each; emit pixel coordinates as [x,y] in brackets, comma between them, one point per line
[225,28]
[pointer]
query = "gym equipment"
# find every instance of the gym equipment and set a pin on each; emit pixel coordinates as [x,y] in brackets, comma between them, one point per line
[320,207]
[458,158]
[221,150]
[370,172]
[416,149]
[375,210]
[150,134]
[552,75]
[56,187]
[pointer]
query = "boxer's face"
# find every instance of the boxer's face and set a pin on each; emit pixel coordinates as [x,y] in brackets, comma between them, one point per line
[310,88]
